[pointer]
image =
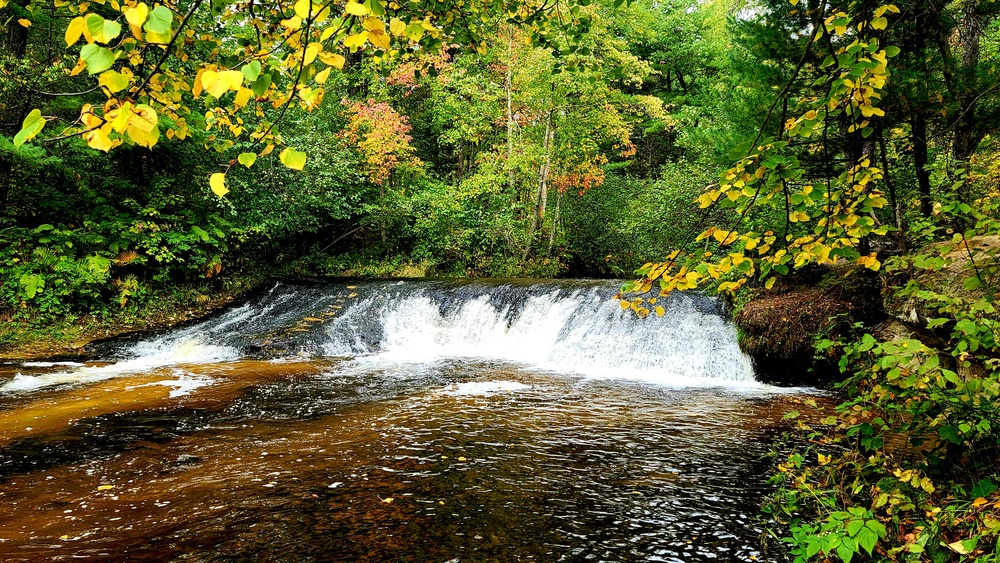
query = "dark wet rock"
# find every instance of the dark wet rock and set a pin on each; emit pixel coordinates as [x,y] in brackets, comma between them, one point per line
[779,328]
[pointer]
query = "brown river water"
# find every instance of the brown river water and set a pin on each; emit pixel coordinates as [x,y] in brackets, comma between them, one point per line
[443,434]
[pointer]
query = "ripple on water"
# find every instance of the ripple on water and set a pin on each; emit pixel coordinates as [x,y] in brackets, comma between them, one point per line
[479,462]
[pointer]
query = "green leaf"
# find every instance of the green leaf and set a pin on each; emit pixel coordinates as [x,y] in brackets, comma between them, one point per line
[867,538]
[845,553]
[983,488]
[251,71]
[376,7]
[31,126]
[950,434]
[200,233]
[113,81]
[854,526]
[247,159]
[97,58]
[261,85]
[32,284]
[891,51]
[296,160]
[102,30]
[876,527]
[159,20]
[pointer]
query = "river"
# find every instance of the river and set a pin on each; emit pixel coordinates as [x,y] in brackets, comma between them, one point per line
[397,421]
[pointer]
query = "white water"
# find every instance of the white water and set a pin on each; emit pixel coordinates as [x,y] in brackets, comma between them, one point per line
[583,332]
[562,328]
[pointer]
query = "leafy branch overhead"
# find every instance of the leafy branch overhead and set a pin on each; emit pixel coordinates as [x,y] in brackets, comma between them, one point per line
[824,221]
[235,68]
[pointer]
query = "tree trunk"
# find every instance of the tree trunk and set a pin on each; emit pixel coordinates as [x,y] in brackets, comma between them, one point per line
[542,193]
[17,35]
[555,223]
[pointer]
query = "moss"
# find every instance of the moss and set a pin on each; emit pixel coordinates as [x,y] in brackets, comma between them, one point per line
[69,336]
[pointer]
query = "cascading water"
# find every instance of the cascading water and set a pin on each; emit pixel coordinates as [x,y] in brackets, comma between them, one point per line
[571,327]
[398,421]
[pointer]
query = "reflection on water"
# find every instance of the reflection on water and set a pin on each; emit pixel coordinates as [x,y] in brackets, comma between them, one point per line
[326,460]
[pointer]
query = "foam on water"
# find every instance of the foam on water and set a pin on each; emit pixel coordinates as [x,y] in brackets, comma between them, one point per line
[152,355]
[405,328]
[581,332]
[485,387]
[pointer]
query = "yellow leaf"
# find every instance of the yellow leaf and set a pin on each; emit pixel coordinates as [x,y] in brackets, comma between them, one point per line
[105,487]
[218,184]
[387,500]
[99,140]
[143,117]
[322,77]
[232,78]
[242,97]
[24,22]
[378,38]
[210,81]
[296,160]
[373,24]
[303,8]
[113,81]
[823,459]
[75,29]
[292,23]
[957,547]
[143,138]
[356,9]
[397,27]
[624,304]
[660,311]
[356,40]
[136,16]
[119,117]
[333,59]
[312,50]
[769,283]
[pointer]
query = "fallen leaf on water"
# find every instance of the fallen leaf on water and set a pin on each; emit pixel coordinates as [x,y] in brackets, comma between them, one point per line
[105,487]
[387,500]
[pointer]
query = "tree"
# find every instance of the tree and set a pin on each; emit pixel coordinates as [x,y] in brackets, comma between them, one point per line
[232,68]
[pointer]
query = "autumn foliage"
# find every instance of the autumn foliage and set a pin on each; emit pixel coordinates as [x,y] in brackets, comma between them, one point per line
[382,136]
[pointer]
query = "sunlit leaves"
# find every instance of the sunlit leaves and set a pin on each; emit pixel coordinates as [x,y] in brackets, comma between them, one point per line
[270,57]
[218,83]
[96,58]
[30,127]
[74,30]
[247,159]
[159,21]
[251,71]
[296,160]
[136,15]
[217,182]
[102,30]
[113,81]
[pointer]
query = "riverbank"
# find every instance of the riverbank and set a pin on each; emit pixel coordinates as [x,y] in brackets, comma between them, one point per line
[68,336]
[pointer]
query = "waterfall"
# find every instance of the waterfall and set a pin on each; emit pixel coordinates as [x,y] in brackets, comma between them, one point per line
[573,327]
